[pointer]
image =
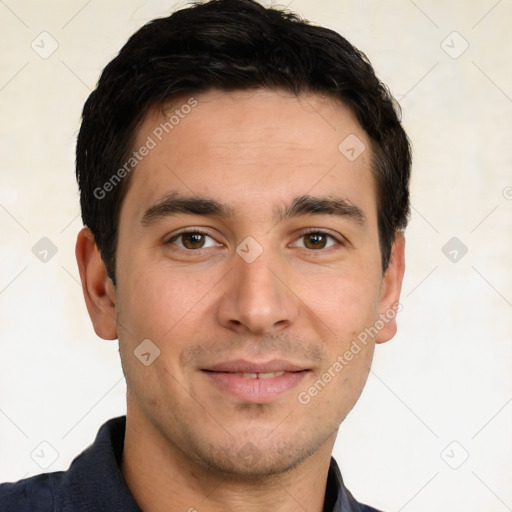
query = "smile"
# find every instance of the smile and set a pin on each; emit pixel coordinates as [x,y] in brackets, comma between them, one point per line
[255,383]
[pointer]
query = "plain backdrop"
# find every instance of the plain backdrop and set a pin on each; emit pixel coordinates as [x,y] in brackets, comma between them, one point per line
[433,429]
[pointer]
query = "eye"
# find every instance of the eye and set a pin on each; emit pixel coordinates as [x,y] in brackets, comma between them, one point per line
[192,240]
[317,240]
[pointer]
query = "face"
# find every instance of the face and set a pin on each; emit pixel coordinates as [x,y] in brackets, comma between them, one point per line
[248,255]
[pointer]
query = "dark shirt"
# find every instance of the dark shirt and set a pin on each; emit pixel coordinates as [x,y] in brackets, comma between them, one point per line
[94,483]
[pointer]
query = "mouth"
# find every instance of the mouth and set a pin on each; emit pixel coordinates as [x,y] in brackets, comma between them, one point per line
[255,382]
[266,375]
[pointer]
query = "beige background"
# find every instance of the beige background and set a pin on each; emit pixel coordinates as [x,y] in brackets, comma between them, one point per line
[441,391]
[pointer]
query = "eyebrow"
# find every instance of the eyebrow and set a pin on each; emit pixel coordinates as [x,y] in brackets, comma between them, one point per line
[175,204]
[310,205]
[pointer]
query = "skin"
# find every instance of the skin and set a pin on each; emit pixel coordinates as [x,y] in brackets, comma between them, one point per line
[304,299]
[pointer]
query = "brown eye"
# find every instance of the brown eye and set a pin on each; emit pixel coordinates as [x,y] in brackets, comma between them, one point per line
[315,240]
[192,240]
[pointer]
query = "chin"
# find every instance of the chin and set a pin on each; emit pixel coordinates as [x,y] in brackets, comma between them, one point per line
[253,461]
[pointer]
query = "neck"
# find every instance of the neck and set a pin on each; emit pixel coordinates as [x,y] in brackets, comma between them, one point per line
[161,478]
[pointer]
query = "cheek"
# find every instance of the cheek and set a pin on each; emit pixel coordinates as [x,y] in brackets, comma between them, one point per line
[339,384]
[347,302]
[155,299]
[353,364]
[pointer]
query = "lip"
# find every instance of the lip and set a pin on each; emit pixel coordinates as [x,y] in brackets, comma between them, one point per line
[227,377]
[244,366]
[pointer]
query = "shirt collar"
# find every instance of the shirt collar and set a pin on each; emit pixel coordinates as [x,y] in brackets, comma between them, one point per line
[337,496]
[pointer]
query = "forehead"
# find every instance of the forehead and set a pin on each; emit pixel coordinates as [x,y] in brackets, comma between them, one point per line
[250,147]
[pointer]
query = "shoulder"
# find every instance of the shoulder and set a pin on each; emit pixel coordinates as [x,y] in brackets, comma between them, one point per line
[355,506]
[366,508]
[343,498]
[34,494]
[93,481]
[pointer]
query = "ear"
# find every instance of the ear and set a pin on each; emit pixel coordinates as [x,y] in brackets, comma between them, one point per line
[390,290]
[99,291]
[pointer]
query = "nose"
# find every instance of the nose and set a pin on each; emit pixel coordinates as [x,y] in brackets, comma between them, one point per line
[257,299]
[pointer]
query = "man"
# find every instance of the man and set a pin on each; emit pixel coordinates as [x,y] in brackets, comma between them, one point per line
[244,187]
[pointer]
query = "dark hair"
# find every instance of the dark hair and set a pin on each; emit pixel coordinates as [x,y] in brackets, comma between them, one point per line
[231,45]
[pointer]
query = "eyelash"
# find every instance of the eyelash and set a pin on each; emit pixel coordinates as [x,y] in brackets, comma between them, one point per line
[338,240]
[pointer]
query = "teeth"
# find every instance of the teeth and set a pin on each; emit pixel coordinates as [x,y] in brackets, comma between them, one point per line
[267,375]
